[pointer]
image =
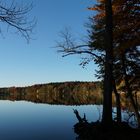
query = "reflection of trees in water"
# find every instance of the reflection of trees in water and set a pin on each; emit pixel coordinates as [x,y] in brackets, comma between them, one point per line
[68,93]
[56,93]
[45,98]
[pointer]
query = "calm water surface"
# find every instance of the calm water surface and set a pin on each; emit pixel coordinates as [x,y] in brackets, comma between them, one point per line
[21,120]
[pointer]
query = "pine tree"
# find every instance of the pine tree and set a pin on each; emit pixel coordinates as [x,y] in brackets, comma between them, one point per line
[109,42]
[125,41]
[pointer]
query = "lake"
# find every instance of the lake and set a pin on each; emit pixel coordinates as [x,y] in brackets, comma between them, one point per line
[22,120]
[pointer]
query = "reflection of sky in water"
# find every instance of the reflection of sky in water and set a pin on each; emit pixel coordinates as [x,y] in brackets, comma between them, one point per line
[28,121]
[132,121]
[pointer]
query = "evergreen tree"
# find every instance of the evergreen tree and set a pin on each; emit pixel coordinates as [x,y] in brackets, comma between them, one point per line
[125,43]
[109,42]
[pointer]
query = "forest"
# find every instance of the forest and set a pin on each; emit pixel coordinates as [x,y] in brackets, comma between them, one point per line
[64,93]
[68,93]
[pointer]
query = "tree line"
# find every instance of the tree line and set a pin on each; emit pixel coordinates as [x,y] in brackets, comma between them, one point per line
[67,93]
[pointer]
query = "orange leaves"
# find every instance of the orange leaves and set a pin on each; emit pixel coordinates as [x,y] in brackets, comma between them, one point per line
[126,22]
[92,8]
[96,8]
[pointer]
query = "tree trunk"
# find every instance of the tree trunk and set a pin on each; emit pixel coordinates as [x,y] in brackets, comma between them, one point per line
[107,94]
[118,103]
[129,91]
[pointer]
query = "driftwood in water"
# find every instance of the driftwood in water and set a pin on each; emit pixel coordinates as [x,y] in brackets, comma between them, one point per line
[80,119]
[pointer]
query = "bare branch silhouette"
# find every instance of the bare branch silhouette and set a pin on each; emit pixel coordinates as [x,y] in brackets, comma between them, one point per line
[16,16]
[68,46]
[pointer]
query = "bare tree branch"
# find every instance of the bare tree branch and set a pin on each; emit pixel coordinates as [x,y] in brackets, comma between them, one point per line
[68,46]
[16,16]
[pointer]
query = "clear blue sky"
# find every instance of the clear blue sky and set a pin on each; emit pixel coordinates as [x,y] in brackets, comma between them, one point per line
[23,64]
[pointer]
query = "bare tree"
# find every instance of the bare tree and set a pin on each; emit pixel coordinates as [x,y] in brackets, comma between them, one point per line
[69,46]
[16,16]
